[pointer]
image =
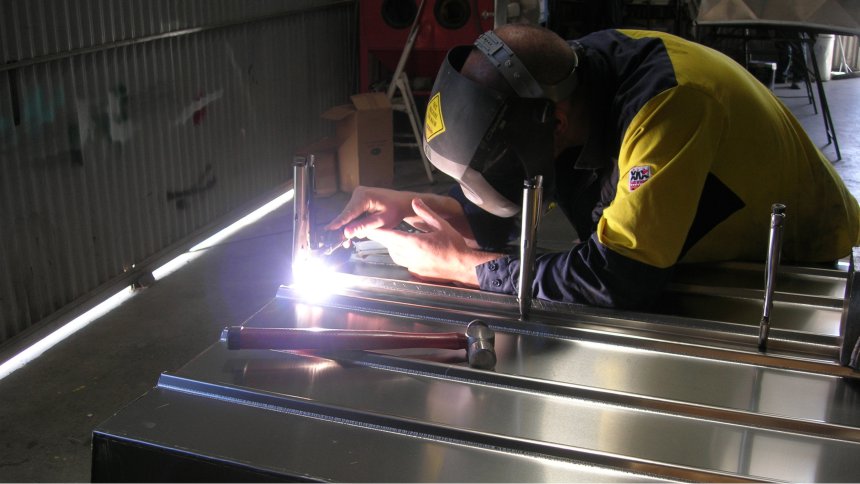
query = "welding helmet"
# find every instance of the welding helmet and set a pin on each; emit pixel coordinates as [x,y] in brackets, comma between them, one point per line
[490,141]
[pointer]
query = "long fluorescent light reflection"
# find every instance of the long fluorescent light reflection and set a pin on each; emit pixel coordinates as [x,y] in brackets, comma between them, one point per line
[174,265]
[34,351]
[44,344]
[194,252]
[244,221]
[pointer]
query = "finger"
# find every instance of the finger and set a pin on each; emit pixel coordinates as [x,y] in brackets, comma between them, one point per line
[357,205]
[427,214]
[351,212]
[425,278]
[421,226]
[388,237]
[357,228]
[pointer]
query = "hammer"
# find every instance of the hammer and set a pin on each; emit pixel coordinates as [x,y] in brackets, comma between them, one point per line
[478,340]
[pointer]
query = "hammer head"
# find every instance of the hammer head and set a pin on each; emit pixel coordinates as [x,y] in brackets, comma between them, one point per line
[481,349]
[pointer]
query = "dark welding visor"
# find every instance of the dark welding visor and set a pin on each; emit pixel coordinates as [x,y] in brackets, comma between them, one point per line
[487,140]
[461,129]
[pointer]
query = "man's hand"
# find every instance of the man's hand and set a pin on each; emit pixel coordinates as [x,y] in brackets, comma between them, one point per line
[380,208]
[440,255]
[372,208]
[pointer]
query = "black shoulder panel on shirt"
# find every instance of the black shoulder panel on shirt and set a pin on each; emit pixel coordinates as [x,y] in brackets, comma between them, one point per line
[630,71]
[716,204]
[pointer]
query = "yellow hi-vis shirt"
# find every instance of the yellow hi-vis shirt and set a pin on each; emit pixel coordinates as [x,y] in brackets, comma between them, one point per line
[686,154]
[719,120]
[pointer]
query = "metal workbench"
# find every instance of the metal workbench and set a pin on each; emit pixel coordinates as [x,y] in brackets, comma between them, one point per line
[579,394]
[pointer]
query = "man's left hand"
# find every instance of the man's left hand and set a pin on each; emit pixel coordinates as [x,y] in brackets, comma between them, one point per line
[440,254]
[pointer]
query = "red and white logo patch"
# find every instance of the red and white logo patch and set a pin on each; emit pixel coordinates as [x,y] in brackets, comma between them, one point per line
[638,176]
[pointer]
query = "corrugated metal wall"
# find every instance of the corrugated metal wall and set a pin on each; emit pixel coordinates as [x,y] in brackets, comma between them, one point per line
[127,125]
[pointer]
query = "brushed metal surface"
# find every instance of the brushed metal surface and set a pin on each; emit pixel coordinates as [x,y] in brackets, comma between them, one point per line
[552,398]
[304,447]
[534,350]
[801,332]
[681,393]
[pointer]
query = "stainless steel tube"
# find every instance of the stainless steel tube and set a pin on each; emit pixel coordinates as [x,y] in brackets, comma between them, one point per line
[532,200]
[303,176]
[777,220]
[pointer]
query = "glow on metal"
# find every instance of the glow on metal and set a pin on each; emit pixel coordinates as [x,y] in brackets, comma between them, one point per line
[180,261]
[37,349]
[245,221]
[32,352]
[314,279]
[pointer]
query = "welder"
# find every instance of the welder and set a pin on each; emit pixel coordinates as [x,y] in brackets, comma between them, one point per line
[659,150]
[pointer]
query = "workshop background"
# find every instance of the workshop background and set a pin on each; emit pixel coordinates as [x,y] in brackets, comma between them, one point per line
[131,130]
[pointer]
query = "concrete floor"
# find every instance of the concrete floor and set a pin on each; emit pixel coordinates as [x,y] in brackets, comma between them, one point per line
[49,408]
[843,98]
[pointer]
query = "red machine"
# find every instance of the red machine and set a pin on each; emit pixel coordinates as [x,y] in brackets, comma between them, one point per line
[385,26]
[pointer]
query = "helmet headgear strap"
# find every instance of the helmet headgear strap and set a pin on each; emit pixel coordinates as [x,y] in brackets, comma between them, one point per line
[516,74]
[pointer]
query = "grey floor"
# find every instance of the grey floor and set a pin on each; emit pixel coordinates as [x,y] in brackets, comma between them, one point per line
[49,408]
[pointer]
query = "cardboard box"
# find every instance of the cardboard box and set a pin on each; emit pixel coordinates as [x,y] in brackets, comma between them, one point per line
[365,154]
[325,165]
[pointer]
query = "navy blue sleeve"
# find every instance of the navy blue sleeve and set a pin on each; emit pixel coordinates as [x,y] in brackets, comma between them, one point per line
[589,274]
[491,232]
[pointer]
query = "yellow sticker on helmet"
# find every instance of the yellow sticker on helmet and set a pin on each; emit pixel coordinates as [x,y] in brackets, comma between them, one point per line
[434,125]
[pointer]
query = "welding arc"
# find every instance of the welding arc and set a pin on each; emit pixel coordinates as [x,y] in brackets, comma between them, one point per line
[240,337]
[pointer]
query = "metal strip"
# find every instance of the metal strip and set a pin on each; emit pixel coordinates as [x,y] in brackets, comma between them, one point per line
[114,44]
[676,335]
[756,295]
[443,433]
[413,366]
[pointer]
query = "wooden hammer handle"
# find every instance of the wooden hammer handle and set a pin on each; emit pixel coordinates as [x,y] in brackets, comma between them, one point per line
[240,337]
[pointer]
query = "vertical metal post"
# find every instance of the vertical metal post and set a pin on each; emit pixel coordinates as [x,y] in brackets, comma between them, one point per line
[532,200]
[407,49]
[829,129]
[849,352]
[303,176]
[777,219]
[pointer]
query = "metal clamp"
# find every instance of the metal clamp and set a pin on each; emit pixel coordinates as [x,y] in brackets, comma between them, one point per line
[777,220]
[849,353]
[303,176]
[532,200]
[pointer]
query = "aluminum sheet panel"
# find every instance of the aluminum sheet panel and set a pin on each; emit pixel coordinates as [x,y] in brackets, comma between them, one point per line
[726,319]
[578,393]
[556,400]
[299,446]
